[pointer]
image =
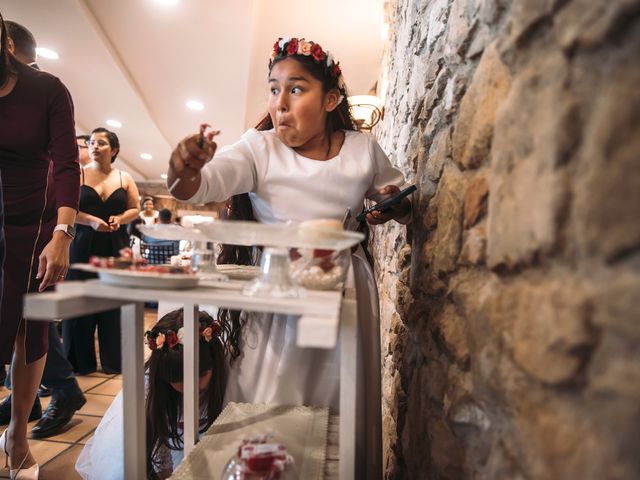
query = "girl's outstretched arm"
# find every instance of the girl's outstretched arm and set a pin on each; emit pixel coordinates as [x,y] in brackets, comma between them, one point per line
[186,161]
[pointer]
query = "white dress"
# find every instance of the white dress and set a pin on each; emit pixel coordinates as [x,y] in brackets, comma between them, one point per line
[102,457]
[283,186]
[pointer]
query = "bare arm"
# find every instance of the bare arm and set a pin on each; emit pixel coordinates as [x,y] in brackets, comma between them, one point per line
[92,221]
[133,208]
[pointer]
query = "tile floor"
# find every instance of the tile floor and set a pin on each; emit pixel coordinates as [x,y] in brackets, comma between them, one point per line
[57,455]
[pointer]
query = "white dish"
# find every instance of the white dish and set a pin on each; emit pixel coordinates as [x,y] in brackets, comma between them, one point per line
[137,279]
[239,272]
[234,232]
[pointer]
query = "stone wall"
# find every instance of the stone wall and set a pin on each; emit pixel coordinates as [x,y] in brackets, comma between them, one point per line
[511,305]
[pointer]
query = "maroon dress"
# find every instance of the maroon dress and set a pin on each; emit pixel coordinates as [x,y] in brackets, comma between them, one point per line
[40,173]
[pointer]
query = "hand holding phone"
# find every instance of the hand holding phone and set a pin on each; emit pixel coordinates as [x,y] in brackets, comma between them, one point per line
[386,205]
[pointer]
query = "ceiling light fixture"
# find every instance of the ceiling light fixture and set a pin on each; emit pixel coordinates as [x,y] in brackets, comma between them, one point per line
[366,110]
[194,105]
[47,53]
[163,176]
[114,123]
[146,156]
[168,2]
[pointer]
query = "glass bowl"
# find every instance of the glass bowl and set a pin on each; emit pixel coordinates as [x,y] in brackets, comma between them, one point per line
[319,269]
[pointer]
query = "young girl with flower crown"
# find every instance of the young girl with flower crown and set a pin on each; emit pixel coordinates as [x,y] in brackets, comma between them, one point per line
[102,458]
[305,160]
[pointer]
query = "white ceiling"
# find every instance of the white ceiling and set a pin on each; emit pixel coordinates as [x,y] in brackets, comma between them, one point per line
[139,61]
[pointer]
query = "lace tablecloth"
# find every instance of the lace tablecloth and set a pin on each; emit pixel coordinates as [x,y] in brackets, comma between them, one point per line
[302,429]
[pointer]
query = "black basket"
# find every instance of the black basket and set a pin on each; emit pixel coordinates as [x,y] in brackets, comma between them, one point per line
[158,253]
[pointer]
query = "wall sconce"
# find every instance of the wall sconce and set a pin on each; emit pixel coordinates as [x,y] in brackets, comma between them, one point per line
[366,110]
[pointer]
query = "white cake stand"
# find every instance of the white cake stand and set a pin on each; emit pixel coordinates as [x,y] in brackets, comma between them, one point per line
[274,278]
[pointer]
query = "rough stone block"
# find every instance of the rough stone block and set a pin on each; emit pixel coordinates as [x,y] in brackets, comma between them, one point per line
[449,200]
[459,29]
[453,329]
[616,303]
[551,333]
[533,137]
[474,126]
[439,152]
[608,188]
[587,24]
[615,367]
[474,246]
[475,200]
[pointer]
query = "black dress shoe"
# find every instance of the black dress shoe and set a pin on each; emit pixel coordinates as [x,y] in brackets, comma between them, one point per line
[5,411]
[59,412]
[44,391]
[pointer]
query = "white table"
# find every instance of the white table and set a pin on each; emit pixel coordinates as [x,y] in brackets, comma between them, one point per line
[323,315]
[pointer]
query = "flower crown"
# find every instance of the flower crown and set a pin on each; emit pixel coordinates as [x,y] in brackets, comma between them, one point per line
[299,46]
[171,338]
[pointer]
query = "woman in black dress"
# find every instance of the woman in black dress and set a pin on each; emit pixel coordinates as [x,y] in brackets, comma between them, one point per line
[108,201]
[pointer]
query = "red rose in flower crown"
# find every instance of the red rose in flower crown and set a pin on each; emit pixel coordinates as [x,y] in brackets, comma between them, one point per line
[172,338]
[336,71]
[317,53]
[152,343]
[292,46]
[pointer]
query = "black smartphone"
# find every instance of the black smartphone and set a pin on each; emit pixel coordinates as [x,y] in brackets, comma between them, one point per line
[386,204]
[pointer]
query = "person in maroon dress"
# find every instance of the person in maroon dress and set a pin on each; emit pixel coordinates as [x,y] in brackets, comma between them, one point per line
[40,184]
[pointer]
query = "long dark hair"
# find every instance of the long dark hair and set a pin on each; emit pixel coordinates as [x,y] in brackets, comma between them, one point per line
[165,365]
[7,61]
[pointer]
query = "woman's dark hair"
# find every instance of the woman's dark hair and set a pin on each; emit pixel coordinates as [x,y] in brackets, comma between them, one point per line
[113,140]
[7,61]
[23,40]
[164,404]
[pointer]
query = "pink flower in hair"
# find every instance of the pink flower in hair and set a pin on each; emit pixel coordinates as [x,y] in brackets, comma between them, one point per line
[160,340]
[304,47]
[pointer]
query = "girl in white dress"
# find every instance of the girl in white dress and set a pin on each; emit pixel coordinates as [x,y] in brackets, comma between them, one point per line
[305,160]
[102,458]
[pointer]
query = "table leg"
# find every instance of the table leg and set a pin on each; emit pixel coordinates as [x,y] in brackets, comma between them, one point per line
[348,387]
[132,321]
[191,376]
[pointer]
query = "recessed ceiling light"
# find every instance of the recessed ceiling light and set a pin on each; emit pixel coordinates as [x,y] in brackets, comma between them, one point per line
[168,2]
[114,123]
[47,53]
[146,156]
[194,105]
[163,176]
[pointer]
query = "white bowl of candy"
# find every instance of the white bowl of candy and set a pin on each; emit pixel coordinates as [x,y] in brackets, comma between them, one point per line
[319,269]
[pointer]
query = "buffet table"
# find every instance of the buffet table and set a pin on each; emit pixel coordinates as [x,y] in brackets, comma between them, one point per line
[323,315]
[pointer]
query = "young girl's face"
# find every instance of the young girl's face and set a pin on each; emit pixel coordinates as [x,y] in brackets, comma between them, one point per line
[203,384]
[298,106]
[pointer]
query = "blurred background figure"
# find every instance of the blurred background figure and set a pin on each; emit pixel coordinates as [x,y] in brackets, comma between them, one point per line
[148,213]
[108,201]
[83,149]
